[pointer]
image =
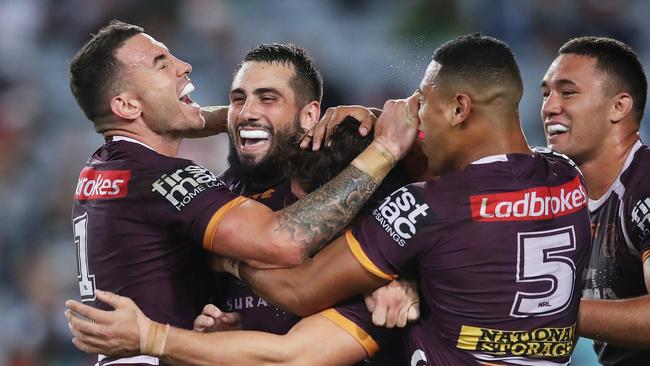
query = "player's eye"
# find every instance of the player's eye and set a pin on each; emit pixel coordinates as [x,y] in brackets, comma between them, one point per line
[237,100]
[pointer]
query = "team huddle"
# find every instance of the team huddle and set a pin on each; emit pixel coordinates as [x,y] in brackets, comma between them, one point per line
[425,233]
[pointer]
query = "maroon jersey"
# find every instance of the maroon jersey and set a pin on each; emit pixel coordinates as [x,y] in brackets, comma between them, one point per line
[500,248]
[620,222]
[237,296]
[139,221]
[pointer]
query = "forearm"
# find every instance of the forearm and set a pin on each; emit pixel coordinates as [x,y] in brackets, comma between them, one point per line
[216,122]
[314,220]
[331,276]
[622,322]
[186,347]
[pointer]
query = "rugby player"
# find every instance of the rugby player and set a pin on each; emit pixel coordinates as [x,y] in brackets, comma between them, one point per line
[346,143]
[594,99]
[141,215]
[500,242]
[275,96]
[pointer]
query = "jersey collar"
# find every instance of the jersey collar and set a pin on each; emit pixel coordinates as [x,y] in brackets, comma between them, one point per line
[128,139]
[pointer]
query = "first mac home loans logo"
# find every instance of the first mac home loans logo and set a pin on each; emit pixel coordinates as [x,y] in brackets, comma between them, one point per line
[181,186]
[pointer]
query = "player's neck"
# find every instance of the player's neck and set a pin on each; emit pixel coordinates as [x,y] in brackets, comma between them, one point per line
[601,171]
[498,143]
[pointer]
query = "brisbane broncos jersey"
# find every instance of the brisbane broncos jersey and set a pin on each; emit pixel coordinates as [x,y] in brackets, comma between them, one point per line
[140,220]
[235,295]
[500,248]
[620,222]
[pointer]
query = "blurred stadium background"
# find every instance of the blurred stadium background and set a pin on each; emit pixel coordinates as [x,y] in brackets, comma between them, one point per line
[368,51]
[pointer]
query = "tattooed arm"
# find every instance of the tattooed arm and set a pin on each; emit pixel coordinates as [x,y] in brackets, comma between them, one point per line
[252,232]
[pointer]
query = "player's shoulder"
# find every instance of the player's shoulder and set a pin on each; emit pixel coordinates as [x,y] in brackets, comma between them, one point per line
[554,156]
[640,164]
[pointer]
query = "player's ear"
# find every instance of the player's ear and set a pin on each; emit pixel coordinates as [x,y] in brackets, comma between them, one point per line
[621,107]
[462,106]
[309,114]
[125,106]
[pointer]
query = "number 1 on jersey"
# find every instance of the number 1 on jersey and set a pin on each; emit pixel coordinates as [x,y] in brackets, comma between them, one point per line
[86,280]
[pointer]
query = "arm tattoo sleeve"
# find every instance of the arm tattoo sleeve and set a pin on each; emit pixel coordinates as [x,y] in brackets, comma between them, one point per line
[318,217]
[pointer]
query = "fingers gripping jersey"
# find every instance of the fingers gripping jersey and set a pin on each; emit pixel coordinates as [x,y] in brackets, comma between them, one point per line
[500,248]
[620,222]
[139,221]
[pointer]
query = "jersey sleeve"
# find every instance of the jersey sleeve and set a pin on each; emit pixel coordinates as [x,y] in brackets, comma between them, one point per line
[394,234]
[190,200]
[354,318]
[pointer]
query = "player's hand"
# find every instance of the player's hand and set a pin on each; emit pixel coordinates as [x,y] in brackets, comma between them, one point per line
[322,131]
[115,333]
[397,127]
[394,304]
[212,319]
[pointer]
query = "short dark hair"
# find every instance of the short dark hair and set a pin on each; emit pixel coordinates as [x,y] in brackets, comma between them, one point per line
[94,69]
[616,60]
[312,169]
[307,82]
[476,58]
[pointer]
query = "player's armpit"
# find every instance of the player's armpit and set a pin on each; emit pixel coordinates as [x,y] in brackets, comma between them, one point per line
[620,322]
[333,275]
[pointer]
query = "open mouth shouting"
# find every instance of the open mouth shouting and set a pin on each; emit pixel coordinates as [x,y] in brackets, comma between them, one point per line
[184,97]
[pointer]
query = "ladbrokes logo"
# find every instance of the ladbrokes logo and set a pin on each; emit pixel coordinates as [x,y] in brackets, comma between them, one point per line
[181,186]
[399,214]
[539,203]
[101,184]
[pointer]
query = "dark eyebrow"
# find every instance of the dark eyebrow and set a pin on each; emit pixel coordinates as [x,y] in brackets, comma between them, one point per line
[561,82]
[257,91]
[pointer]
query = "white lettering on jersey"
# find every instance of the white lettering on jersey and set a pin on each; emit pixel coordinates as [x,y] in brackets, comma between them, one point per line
[180,187]
[398,214]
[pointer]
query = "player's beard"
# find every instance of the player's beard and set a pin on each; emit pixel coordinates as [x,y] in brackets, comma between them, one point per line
[273,167]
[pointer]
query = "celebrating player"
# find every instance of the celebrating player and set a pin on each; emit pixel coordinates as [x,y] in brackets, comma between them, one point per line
[141,215]
[594,98]
[500,241]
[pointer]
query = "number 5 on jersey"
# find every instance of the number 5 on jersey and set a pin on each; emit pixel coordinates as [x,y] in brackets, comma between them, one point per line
[540,259]
[86,280]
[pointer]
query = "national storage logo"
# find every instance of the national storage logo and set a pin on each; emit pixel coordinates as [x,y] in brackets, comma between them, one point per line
[181,186]
[399,215]
[540,342]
